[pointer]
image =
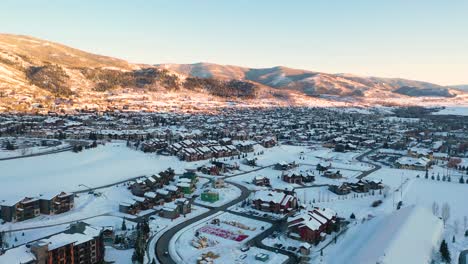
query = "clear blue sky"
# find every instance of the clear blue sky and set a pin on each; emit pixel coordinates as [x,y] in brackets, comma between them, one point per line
[417,39]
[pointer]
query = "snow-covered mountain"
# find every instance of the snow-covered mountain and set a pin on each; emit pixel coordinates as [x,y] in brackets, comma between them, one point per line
[40,74]
[314,83]
[462,87]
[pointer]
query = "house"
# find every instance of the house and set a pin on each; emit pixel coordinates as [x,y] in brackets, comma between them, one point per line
[292,177]
[413,163]
[24,209]
[184,206]
[298,177]
[56,204]
[274,202]
[304,248]
[360,187]
[186,185]
[261,181]
[210,196]
[129,207]
[342,189]
[245,146]
[283,165]
[218,183]
[174,209]
[310,225]
[139,187]
[374,184]
[209,169]
[332,174]
[268,142]
[170,210]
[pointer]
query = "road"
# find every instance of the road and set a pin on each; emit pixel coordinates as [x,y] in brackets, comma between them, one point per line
[361,159]
[162,245]
[55,151]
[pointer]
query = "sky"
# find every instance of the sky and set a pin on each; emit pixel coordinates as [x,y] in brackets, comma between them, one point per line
[415,39]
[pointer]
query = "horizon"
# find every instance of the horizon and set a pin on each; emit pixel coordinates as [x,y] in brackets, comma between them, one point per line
[363,38]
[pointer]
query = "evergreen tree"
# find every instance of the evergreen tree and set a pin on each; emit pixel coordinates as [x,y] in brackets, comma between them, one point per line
[124,226]
[444,252]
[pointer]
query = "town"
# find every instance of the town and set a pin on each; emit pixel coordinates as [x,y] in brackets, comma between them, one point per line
[235,185]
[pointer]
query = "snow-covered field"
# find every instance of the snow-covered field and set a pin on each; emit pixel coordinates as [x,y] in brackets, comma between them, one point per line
[406,236]
[69,171]
[118,256]
[453,110]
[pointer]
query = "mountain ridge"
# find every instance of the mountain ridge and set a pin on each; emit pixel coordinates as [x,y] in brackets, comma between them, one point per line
[40,74]
[310,82]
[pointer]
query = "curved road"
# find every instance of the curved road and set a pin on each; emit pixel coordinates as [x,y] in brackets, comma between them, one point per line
[162,245]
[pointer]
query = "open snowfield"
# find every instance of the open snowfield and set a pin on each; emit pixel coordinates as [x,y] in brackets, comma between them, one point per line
[66,171]
[425,192]
[182,250]
[453,110]
[405,236]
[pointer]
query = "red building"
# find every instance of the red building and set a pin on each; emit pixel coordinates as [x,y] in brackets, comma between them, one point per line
[80,243]
[310,226]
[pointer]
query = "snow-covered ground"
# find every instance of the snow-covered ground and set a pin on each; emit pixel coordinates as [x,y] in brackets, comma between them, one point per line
[226,194]
[69,171]
[453,110]
[117,256]
[226,244]
[408,235]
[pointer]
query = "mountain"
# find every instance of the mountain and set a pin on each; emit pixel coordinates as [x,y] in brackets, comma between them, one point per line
[39,75]
[462,87]
[312,83]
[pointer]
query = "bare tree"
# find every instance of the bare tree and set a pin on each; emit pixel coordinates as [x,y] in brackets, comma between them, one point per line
[445,212]
[435,208]
[456,226]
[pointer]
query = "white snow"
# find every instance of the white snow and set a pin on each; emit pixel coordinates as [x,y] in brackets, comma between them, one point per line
[405,236]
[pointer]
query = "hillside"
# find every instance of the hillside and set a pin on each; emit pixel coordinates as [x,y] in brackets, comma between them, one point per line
[312,83]
[38,76]
[463,87]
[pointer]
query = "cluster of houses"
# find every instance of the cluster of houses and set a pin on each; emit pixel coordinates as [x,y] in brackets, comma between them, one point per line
[80,243]
[217,168]
[162,191]
[30,207]
[274,201]
[361,186]
[194,150]
[298,177]
[306,225]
